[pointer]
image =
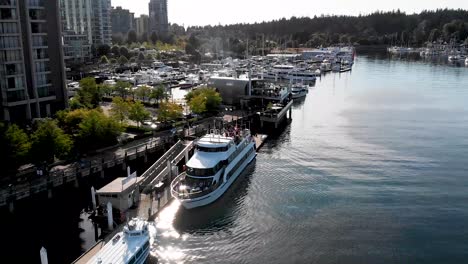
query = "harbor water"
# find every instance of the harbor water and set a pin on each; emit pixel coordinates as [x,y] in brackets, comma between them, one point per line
[373,168]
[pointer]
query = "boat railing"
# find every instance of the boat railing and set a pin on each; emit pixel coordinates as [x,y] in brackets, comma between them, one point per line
[187,193]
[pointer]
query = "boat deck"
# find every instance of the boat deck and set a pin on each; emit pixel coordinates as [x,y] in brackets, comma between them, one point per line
[88,255]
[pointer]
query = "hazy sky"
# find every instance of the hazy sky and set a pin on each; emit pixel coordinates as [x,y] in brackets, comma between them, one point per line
[203,12]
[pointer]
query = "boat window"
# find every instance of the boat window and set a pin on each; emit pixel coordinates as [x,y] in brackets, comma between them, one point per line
[204,172]
[138,254]
[132,260]
[146,245]
[217,149]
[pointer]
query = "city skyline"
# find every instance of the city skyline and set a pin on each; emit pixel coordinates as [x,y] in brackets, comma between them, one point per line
[182,12]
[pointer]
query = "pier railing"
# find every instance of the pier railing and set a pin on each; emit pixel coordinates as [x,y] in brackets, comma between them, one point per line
[160,168]
[72,172]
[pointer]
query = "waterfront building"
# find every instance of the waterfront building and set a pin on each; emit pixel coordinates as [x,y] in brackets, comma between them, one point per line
[122,20]
[32,72]
[142,25]
[158,19]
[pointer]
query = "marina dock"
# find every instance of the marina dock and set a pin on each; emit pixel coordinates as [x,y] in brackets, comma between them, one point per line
[259,140]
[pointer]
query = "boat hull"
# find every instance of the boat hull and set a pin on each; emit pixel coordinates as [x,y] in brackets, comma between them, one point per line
[215,195]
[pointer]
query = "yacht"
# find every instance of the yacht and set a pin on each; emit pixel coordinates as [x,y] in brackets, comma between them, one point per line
[130,246]
[456,58]
[217,162]
[325,66]
[302,75]
[282,71]
[299,90]
[466,61]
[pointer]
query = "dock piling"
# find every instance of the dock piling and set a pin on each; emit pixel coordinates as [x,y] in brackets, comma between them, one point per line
[93,197]
[110,219]
[43,253]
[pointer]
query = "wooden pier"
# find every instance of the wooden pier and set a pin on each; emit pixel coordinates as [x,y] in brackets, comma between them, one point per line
[276,118]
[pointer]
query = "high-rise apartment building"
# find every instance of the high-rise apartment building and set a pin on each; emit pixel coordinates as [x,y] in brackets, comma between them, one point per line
[158,20]
[77,30]
[142,25]
[122,20]
[32,72]
[101,22]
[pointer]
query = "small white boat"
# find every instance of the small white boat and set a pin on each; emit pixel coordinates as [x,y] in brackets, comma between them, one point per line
[456,58]
[128,246]
[466,61]
[299,90]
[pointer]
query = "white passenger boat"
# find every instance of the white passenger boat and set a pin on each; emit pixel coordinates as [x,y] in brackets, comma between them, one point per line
[131,246]
[299,90]
[466,61]
[217,163]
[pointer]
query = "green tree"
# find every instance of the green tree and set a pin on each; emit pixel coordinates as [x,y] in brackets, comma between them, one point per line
[106,89]
[141,56]
[204,100]
[15,146]
[198,104]
[122,88]
[122,60]
[150,57]
[69,121]
[143,92]
[103,50]
[115,50]
[154,37]
[123,51]
[49,142]
[138,113]
[131,37]
[97,130]
[169,111]
[434,35]
[120,109]
[104,60]
[158,94]
[89,94]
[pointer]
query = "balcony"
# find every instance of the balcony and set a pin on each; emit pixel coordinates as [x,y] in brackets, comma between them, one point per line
[36,3]
[11,3]
[16,96]
[8,14]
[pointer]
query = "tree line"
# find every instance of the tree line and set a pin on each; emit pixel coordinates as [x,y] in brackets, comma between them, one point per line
[378,28]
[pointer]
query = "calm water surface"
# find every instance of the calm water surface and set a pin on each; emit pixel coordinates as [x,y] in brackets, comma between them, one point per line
[372,169]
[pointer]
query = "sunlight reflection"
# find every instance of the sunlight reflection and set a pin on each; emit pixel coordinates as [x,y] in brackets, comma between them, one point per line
[165,229]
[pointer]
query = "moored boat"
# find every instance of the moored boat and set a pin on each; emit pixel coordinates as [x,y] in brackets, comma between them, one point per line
[217,162]
[299,90]
[130,246]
